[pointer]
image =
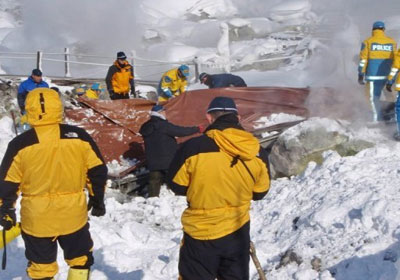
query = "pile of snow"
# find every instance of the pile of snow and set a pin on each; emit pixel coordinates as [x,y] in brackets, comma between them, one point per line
[343,213]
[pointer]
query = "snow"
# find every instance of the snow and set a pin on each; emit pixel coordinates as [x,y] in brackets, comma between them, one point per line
[344,212]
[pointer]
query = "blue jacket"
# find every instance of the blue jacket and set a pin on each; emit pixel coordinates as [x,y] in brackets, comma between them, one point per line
[25,87]
[226,80]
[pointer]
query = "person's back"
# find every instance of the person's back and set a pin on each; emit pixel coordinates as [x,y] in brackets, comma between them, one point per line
[220,173]
[226,80]
[50,165]
[378,54]
[160,145]
[376,57]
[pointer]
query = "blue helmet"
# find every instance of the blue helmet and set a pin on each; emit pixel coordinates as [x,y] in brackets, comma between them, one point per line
[378,25]
[96,86]
[184,69]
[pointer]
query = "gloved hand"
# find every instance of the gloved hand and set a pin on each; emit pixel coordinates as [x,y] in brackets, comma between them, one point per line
[361,79]
[99,209]
[8,218]
[23,112]
[389,87]
[202,128]
[167,92]
[111,93]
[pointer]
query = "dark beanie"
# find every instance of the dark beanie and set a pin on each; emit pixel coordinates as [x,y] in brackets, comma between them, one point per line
[36,72]
[222,103]
[121,55]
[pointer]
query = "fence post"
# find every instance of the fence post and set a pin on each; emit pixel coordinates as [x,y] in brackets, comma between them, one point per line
[133,54]
[196,69]
[39,60]
[66,62]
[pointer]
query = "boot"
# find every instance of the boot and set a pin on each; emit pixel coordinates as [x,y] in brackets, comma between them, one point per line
[78,274]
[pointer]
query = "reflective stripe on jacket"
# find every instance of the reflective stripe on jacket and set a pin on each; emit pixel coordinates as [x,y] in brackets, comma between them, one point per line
[171,80]
[376,56]
[394,71]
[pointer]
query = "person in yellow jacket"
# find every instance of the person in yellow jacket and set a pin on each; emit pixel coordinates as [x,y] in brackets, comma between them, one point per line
[395,78]
[173,83]
[50,165]
[376,57]
[220,173]
[94,91]
[120,79]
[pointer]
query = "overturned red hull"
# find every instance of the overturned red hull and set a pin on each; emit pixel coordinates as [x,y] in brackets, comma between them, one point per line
[115,125]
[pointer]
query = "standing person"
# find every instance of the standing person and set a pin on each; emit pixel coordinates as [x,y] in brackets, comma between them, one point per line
[173,83]
[34,81]
[376,57]
[221,80]
[160,145]
[50,165]
[393,74]
[120,78]
[220,173]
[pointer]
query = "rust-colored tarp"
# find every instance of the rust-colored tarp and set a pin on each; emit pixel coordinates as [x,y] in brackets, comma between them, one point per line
[114,125]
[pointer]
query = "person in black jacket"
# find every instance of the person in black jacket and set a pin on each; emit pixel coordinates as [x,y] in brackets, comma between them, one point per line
[160,145]
[221,80]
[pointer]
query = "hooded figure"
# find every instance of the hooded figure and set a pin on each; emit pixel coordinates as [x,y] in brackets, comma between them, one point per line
[50,165]
[220,173]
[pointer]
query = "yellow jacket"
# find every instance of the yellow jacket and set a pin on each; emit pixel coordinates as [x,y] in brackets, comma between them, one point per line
[171,80]
[120,79]
[376,56]
[91,94]
[220,173]
[395,70]
[50,166]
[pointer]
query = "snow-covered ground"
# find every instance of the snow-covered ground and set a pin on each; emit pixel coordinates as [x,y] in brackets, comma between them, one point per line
[343,213]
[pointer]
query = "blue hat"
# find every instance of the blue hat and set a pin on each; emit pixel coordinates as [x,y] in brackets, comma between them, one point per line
[184,69]
[157,108]
[121,55]
[378,25]
[222,103]
[96,86]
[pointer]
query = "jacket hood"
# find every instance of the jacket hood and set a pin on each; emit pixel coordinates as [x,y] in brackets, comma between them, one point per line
[43,106]
[235,141]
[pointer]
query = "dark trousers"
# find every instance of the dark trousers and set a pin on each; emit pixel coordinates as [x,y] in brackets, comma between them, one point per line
[226,258]
[156,179]
[41,252]
[116,96]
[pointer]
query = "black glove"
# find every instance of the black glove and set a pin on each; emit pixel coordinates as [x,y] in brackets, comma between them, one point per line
[389,87]
[111,92]
[22,110]
[99,209]
[8,218]
[361,79]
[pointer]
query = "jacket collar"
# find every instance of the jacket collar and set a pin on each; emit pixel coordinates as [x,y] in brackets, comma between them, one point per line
[157,115]
[226,121]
